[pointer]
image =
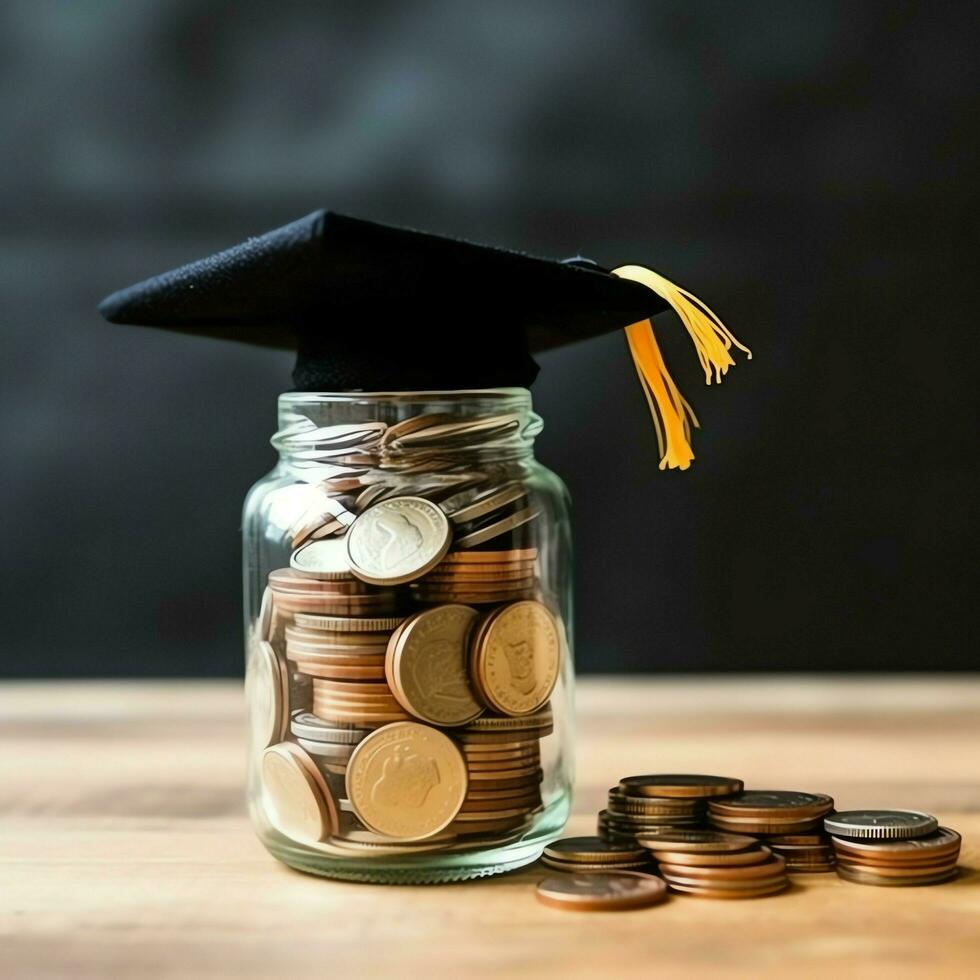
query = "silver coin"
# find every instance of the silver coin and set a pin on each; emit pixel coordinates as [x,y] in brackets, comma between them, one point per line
[325,558]
[305,724]
[397,540]
[881,824]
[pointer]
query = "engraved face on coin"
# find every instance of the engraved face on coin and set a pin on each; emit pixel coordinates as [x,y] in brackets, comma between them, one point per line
[598,892]
[427,666]
[519,658]
[296,796]
[406,780]
[885,824]
[397,540]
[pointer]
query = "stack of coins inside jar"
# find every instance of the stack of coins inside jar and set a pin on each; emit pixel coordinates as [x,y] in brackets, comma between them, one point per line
[400,668]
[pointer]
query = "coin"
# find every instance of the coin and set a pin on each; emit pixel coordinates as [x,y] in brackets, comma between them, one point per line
[296,797]
[897,871]
[771,867]
[773,803]
[940,843]
[761,890]
[468,505]
[406,781]
[266,693]
[397,540]
[592,850]
[707,859]
[881,824]
[863,877]
[518,657]
[475,429]
[612,891]
[490,557]
[326,559]
[349,624]
[427,666]
[305,724]
[674,785]
[582,868]
[692,841]
[495,529]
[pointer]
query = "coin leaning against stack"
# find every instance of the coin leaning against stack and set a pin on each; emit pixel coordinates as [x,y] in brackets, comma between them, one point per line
[405,730]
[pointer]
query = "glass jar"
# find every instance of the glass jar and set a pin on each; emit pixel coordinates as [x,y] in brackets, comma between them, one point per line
[409,668]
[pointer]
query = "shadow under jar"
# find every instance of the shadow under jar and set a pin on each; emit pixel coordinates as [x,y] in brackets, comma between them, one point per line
[408,620]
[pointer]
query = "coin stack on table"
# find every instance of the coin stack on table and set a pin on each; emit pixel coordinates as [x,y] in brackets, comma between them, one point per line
[642,803]
[584,855]
[893,848]
[400,669]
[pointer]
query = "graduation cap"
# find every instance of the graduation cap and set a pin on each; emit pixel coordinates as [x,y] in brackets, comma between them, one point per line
[369,307]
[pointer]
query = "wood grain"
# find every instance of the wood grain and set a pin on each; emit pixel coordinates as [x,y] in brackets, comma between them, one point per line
[124,849]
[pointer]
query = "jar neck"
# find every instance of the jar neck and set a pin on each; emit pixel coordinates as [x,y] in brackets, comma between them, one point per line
[343,433]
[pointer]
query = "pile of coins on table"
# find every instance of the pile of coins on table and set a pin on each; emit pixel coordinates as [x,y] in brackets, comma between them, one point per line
[401,668]
[893,848]
[726,842]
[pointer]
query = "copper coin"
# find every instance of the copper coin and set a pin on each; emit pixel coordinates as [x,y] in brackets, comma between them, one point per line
[679,785]
[508,813]
[358,716]
[710,860]
[413,424]
[592,850]
[518,792]
[762,891]
[941,843]
[296,796]
[473,584]
[397,540]
[609,891]
[427,666]
[863,877]
[485,807]
[582,868]
[488,826]
[894,871]
[799,839]
[491,557]
[693,841]
[771,867]
[480,572]
[773,803]
[344,673]
[312,668]
[340,606]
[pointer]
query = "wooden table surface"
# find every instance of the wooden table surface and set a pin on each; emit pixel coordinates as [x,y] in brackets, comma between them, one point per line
[125,851]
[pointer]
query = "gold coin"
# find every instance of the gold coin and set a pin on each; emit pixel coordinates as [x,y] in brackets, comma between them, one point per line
[295,794]
[397,540]
[709,859]
[518,658]
[266,693]
[406,781]
[427,666]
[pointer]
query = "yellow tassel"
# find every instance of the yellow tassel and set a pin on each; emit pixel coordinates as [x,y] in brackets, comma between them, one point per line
[672,416]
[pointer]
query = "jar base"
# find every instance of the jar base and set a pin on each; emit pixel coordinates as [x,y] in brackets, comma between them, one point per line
[427,868]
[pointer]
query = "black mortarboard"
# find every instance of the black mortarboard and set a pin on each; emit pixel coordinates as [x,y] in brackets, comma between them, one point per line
[374,308]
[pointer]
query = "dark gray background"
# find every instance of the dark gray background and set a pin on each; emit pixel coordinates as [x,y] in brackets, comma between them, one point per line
[803,167]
